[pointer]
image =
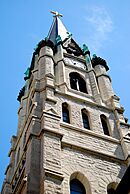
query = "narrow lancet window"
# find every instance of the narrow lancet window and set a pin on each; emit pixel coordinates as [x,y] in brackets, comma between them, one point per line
[65,113]
[104,125]
[85,119]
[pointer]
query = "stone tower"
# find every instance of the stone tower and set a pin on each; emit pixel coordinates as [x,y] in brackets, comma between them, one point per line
[72,136]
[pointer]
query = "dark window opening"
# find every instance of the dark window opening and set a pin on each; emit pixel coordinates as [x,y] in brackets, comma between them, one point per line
[82,86]
[104,125]
[77,83]
[76,187]
[111,191]
[85,120]
[65,113]
[73,83]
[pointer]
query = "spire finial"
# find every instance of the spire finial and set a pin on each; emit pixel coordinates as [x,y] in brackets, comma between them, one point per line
[56,14]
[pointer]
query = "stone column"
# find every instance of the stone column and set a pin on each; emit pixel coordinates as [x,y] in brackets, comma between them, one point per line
[33,165]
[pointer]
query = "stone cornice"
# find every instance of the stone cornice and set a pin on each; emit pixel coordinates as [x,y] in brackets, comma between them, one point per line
[53,174]
[93,152]
[90,133]
[83,99]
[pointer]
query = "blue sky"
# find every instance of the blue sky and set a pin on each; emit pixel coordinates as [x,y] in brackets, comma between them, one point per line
[103,25]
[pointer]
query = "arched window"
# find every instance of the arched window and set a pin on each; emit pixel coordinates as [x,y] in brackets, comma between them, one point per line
[65,113]
[85,119]
[76,187]
[104,125]
[77,82]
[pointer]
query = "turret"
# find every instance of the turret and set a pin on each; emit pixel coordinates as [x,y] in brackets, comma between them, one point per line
[103,79]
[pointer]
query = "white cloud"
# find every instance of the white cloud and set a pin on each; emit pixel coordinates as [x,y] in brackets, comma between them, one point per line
[100,24]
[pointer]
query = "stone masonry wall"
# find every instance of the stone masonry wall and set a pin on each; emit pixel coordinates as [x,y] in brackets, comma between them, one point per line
[99,173]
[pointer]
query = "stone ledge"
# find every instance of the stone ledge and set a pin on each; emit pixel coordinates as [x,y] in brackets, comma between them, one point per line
[55,132]
[91,151]
[53,174]
[51,99]
[90,133]
[50,115]
[86,95]
[80,98]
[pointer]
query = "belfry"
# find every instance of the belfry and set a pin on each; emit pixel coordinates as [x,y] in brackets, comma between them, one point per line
[72,136]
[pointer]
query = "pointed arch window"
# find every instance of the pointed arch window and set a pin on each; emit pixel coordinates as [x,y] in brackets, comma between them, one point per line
[85,119]
[76,187]
[77,82]
[65,113]
[104,125]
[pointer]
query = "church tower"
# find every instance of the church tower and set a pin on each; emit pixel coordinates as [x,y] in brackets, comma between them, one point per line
[72,137]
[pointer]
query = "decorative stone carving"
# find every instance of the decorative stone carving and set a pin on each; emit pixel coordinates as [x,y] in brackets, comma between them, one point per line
[74,62]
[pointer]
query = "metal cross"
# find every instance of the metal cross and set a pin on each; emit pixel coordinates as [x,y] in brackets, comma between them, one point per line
[56,14]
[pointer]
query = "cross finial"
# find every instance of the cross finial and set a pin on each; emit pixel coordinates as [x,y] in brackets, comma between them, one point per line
[56,14]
